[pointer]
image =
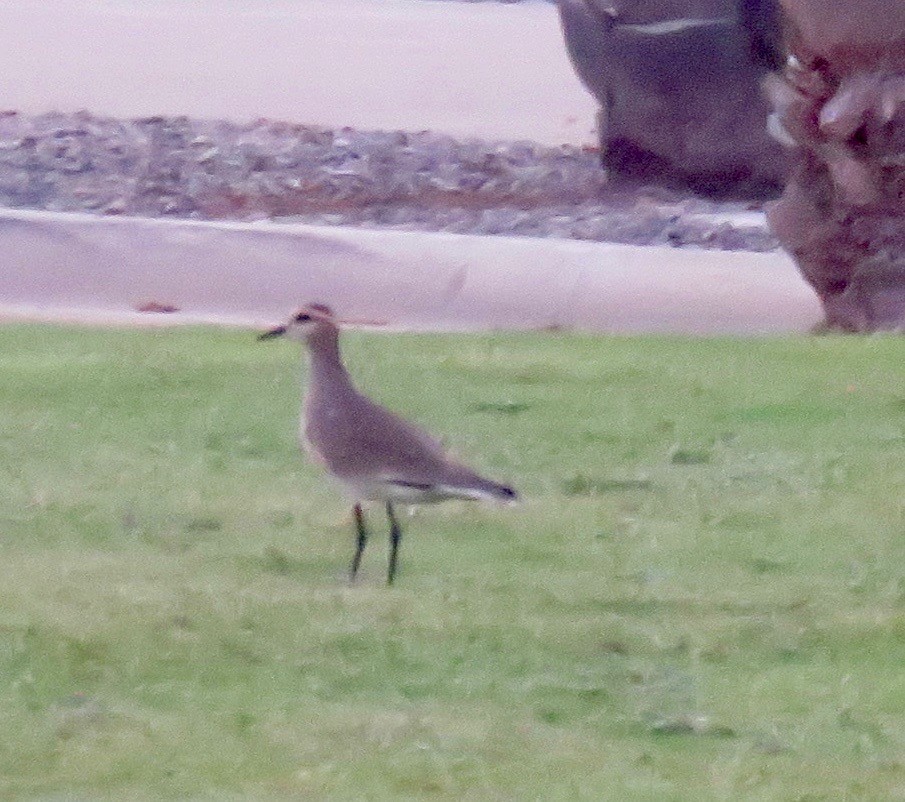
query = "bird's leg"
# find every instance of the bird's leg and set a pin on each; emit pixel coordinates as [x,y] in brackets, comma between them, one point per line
[395,537]
[362,540]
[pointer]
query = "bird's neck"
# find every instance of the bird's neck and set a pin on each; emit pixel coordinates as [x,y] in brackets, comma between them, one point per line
[326,363]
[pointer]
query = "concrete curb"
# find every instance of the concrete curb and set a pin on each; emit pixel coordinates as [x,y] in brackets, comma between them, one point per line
[82,268]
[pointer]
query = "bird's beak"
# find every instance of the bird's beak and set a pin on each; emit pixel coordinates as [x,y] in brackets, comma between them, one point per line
[279,331]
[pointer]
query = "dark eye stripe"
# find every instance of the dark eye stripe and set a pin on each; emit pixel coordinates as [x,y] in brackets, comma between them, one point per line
[302,318]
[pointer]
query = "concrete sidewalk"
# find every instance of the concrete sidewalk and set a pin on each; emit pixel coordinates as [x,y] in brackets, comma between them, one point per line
[472,70]
[96,269]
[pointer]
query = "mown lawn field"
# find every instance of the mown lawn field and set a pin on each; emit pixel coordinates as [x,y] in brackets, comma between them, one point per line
[701,597]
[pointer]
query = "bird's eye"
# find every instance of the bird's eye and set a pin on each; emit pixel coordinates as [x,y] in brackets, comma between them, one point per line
[302,318]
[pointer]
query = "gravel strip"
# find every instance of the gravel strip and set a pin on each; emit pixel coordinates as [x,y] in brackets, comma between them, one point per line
[209,170]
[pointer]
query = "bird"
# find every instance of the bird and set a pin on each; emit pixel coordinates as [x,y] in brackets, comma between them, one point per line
[376,455]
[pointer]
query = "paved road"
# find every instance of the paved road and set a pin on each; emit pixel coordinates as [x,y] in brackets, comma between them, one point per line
[487,70]
[77,267]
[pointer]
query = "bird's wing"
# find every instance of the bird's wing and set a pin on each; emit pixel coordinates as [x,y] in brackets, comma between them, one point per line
[365,439]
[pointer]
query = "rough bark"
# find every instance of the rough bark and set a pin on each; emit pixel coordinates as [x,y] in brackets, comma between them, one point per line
[841,98]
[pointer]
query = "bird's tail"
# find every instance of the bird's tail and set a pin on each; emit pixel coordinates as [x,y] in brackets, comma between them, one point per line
[472,486]
[500,492]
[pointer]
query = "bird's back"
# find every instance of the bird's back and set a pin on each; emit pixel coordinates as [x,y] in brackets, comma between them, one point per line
[373,450]
[355,436]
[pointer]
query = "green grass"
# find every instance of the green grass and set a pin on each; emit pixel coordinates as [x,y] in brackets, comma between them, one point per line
[702,597]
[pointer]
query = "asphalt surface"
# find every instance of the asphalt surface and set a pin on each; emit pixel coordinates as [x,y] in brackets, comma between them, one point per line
[490,70]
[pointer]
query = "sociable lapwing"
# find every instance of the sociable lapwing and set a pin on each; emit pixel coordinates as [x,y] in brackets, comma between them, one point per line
[375,454]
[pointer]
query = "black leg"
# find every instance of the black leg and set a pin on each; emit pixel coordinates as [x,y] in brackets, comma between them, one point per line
[395,537]
[362,539]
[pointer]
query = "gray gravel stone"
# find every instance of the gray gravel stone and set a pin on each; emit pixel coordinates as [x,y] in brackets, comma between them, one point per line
[420,181]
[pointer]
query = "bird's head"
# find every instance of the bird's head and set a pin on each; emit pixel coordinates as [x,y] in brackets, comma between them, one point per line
[305,322]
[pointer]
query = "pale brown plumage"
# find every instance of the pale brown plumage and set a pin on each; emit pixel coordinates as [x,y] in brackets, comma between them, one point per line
[375,454]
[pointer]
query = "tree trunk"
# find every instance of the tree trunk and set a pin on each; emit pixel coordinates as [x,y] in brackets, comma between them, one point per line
[841,98]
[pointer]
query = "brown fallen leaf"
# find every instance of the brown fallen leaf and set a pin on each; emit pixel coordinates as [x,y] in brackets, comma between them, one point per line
[154,307]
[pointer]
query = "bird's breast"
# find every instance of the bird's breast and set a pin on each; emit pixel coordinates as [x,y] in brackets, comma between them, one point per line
[311,450]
